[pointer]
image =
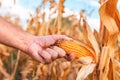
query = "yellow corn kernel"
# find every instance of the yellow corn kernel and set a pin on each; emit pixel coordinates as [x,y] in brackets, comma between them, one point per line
[75,48]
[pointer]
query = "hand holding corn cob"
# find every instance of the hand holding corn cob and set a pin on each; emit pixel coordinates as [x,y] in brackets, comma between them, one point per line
[78,49]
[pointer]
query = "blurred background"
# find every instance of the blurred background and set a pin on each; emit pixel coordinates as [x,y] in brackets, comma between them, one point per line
[25,9]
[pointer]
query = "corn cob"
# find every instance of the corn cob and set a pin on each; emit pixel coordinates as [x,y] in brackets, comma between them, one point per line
[75,48]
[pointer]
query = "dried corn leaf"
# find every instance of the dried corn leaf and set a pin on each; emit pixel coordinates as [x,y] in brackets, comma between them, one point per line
[3,71]
[52,5]
[44,1]
[110,18]
[96,34]
[101,33]
[102,1]
[107,14]
[86,60]
[103,57]
[1,63]
[116,68]
[107,52]
[109,23]
[119,40]
[85,71]
[4,50]
[85,34]
[93,42]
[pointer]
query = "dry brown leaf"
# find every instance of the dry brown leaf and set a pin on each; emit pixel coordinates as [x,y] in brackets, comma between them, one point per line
[4,50]
[96,34]
[93,42]
[102,1]
[107,12]
[85,71]
[53,5]
[107,52]
[104,55]
[116,68]
[86,60]
[86,40]
[1,63]
[44,1]
[3,71]
[109,23]
[111,20]
[119,40]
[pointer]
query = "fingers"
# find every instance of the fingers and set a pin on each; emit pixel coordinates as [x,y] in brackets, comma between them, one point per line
[61,52]
[46,56]
[50,54]
[53,53]
[37,57]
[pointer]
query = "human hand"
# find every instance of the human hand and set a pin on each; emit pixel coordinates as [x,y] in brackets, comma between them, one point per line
[39,47]
[43,50]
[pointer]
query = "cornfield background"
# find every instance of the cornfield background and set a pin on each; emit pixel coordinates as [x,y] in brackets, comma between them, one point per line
[105,44]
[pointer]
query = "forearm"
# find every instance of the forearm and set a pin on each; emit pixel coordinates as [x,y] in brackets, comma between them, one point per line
[12,36]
